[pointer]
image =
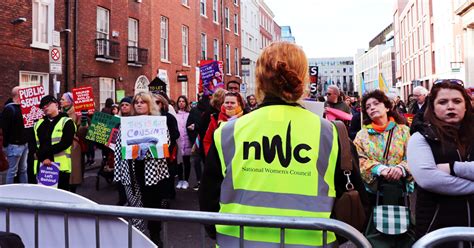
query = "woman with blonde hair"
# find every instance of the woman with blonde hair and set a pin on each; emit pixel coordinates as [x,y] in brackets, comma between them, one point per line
[141,176]
[267,163]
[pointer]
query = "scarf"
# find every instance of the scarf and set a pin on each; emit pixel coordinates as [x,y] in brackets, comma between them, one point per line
[380,128]
[226,115]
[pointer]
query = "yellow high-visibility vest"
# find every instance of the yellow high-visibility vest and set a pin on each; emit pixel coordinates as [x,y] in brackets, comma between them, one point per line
[278,160]
[64,157]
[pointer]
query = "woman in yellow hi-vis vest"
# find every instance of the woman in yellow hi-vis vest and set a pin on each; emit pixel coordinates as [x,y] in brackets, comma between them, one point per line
[278,160]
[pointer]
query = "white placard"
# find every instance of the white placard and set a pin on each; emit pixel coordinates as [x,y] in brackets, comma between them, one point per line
[315,107]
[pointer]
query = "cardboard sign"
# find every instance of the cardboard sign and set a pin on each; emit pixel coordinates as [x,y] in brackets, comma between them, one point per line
[29,103]
[83,100]
[315,107]
[211,76]
[144,133]
[49,175]
[102,128]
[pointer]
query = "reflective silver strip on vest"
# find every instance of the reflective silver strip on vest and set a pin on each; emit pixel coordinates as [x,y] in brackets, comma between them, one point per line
[320,203]
[57,139]
[324,152]
[229,241]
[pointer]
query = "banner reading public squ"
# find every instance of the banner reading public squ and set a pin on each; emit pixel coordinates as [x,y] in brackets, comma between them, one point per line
[211,76]
[83,100]
[142,134]
[29,103]
[102,129]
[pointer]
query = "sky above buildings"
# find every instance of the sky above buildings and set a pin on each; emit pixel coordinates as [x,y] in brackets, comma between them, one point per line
[333,28]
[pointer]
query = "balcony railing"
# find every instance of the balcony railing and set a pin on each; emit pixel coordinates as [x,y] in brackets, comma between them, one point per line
[137,55]
[107,49]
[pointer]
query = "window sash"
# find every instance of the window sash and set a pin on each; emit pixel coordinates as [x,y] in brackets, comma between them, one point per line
[236,61]
[227,58]
[236,24]
[28,79]
[107,90]
[226,15]
[132,32]
[164,38]
[185,41]
[102,23]
[203,46]
[216,49]
[215,11]
[41,21]
[202,6]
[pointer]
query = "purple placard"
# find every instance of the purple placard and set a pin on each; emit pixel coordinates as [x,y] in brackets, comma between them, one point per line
[49,175]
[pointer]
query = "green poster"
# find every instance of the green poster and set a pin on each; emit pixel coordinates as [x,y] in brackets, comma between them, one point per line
[119,94]
[103,129]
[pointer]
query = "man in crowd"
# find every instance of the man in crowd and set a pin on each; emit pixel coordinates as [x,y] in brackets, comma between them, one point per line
[126,106]
[54,135]
[233,86]
[334,99]
[419,93]
[15,140]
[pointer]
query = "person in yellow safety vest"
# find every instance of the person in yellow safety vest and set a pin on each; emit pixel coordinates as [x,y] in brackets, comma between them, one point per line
[278,160]
[54,136]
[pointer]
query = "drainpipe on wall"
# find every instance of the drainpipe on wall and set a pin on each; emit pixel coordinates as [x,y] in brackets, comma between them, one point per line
[68,47]
[76,26]
[222,36]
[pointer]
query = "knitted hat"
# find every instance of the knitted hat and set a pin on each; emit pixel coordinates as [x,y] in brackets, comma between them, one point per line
[126,99]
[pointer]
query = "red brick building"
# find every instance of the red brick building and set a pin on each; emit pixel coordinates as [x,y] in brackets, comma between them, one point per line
[118,47]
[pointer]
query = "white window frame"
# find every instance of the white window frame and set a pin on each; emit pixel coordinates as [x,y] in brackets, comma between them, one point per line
[236,2]
[215,11]
[236,61]
[202,8]
[203,46]
[106,89]
[185,46]
[42,23]
[216,49]
[185,3]
[227,19]
[184,88]
[236,24]
[32,78]
[132,32]
[164,41]
[103,23]
[227,59]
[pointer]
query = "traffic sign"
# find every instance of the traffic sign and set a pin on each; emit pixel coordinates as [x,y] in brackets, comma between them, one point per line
[246,73]
[245,61]
[55,60]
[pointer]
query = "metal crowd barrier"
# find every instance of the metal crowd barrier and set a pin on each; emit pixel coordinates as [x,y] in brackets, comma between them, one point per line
[166,215]
[448,234]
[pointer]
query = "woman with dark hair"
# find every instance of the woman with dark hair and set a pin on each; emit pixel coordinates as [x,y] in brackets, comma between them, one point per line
[382,126]
[184,145]
[251,103]
[441,158]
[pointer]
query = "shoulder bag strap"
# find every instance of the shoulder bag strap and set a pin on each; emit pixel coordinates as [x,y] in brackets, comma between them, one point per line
[345,151]
[387,145]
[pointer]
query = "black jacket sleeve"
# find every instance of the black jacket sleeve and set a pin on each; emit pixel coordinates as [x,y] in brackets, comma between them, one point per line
[7,117]
[193,118]
[172,124]
[210,189]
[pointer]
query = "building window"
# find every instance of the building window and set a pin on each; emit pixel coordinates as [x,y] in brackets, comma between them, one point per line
[236,61]
[236,24]
[102,23]
[185,2]
[215,11]
[203,46]
[43,23]
[185,41]
[226,16]
[227,59]
[107,90]
[216,49]
[236,2]
[202,7]
[132,39]
[164,39]
[28,79]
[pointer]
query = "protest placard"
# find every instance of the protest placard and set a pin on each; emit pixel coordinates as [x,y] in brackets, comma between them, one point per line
[29,103]
[315,107]
[83,99]
[141,134]
[48,175]
[101,129]
[211,76]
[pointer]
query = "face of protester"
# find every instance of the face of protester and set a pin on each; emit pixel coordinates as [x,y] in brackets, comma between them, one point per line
[348,101]
[181,104]
[449,106]
[332,95]
[125,108]
[64,103]
[115,111]
[420,98]
[233,87]
[252,101]
[141,107]
[230,102]
[376,110]
[51,109]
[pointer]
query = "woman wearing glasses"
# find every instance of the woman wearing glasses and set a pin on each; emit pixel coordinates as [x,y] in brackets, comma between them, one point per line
[441,159]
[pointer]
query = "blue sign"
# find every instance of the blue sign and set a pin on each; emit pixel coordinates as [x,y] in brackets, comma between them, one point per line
[48,175]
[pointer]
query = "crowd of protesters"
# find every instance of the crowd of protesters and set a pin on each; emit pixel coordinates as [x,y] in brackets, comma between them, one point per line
[430,155]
